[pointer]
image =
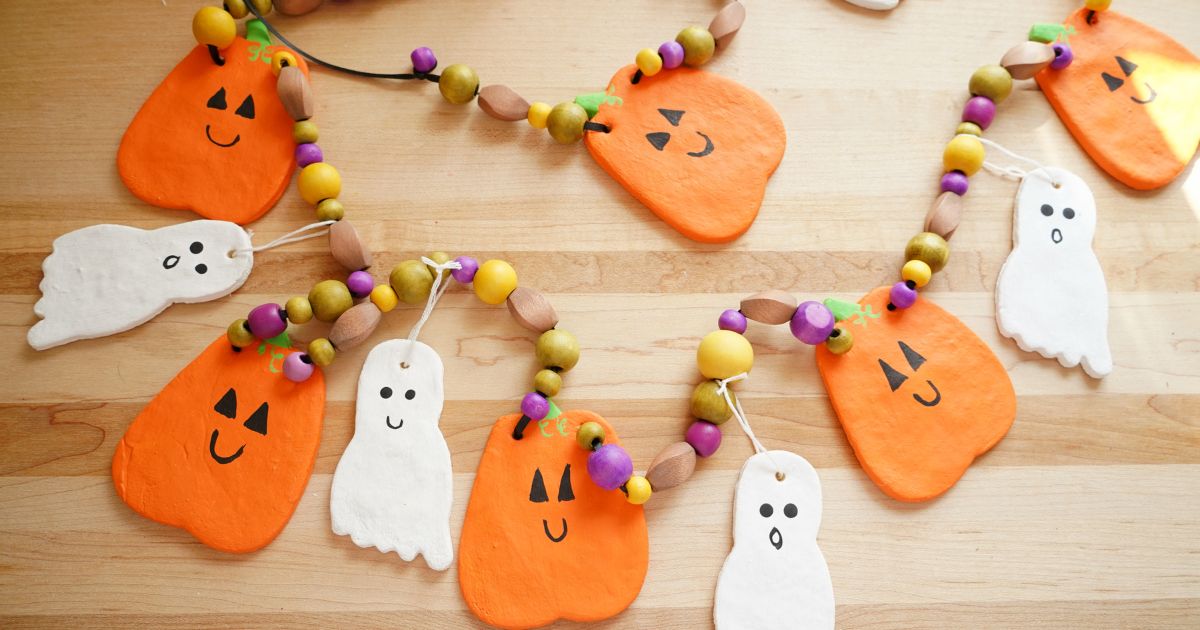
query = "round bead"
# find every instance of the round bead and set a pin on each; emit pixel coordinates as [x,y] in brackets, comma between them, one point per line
[955,182]
[281,58]
[297,367]
[263,6]
[649,62]
[707,404]
[902,296]
[440,258]
[963,153]
[423,60]
[992,81]
[840,341]
[698,45]
[330,210]
[360,284]
[812,322]
[979,110]
[412,281]
[458,84]
[329,299]
[535,406]
[610,466]
[1063,56]
[304,131]
[547,382]
[308,153]
[705,437]
[969,128]
[538,112]
[732,320]
[213,26]
[929,248]
[467,274]
[565,122]
[318,182]
[494,281]
[239,334]
[1097,5]
[236,8]
[590,436]
[724,353]
[321,351]
[384,297]
[266,321]
[672,54]
[637,490]
[916,271]
[557,348]
[299,310]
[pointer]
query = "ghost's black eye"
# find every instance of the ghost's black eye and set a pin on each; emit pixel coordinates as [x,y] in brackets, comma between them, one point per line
[1112,82]
[766,510]
[790,510]
[410,394]
[1047,210]
[246,109]
[217,101]
[672,115]
[386,392]
[202,269]
[196,247]
[1069,213]
[1127,66]
[537,489]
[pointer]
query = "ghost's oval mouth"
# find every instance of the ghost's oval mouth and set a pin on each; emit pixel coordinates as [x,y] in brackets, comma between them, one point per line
[708,146]
[1153,95]
[1056,235]
[170,261]
[388,420]
[208,134]
[221,459]
[776,538]
[552,537]
[937,396]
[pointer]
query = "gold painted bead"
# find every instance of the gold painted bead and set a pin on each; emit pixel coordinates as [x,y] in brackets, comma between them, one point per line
[698,45]
[589,436]
[724,353]
[991,81]
[319,181]
[839,341]
[237,8]
[412,281]
[299,310]
[708,405]
[330,210]
[969,128]
[565,122]
[440,258]
[458,84]
[304,132]
[637,490]
[928,248]
[213,26]
[384,297]
[321,352]
[329,299]
[538,112]
[494,281]
[558,349]
[963,153]
[239,334]
[263,6]
[547,382]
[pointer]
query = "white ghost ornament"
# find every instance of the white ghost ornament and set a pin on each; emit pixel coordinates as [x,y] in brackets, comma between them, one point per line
[775,575]
[1051,297]
[393,486]
[876,5]
[106,279]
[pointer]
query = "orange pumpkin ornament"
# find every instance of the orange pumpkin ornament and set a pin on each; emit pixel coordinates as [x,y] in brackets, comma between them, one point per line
[541,541]
[1131,98]
[225,450]
[694,147]
[919,395]
[213,139]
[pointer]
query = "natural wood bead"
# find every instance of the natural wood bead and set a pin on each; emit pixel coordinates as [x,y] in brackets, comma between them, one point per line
[297,7]
[672,466]
[944,215]
[727,23]
[347,247]
[770,307]
[295,93]
[501,102]
[355,325]
[1027,59]
[532,310]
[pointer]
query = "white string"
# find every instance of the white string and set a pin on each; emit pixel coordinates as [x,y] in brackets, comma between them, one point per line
[1014,172]
[291,237]
[435,293]
[736,407]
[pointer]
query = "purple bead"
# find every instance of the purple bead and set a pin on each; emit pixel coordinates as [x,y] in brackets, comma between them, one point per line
[423,60]
[955,182]
[732,320]
[297,367]
[812,322]
[535,406]
[467,273]
[902,295]
[266,321]
[610,466]
[360,284]
[672,54]
[979,110]
[1063,56]
[308,153]
[705,437]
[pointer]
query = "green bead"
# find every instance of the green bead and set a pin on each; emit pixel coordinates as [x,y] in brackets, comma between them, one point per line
[698,45]
[458,84]
[299,310]
[839,341]
[440,258]
[411,280]
[329,299]
[991,81]
[590,436]
[305,132]
[928,248]
[239,334]
[547,382]
[708,405]
[558,349]
[321,352]
[330,210]
[565,122]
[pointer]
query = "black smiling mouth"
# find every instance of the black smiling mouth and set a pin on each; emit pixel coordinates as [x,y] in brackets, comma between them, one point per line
[388,420]
[1153,95]
[776,538]
[212,450]
[208,134]
[552,537]
[930,403]
[1056,235]
[708,146]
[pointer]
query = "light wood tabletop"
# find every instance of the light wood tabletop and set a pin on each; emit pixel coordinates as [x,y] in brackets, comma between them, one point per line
[1086,515]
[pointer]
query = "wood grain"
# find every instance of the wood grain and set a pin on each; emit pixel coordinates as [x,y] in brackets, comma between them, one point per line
[1085,516]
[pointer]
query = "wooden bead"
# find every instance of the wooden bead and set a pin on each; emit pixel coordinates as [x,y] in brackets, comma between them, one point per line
[969,128]
[648,61]
[281,59]
[589,436]
[305,132]
[532,310]
[929,248]
[297,7]
[236,8]
[295,93]
[412,281]
[1097,5]
[638,490]
[1026,59]
[725,25]
[299,310]
[354,326]
[440,258]
[319,181]
[263,6]
[724,353]
[239,334]
[944,215]
[494,281]
[991,81]
[557,349]
[565,122]
[770,307]
[502,103]
[321,352]
[347,247]
[538,113]
[384,297]
[213,26]
[331,210]
[329,299]
[917,272]
[698,45]
[547,382]
[963,153]
[840,341]
[458,84]
[672,466]
[708,405]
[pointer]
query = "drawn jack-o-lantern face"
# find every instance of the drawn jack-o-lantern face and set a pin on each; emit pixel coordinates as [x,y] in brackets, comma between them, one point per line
[695,147]
[212,139]
[1130,98]
[919,395]
[541,541]
[225,449]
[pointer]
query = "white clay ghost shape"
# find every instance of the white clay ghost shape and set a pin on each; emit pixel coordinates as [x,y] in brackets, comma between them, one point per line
[876,5]
[106,279]
[1051,297]
[393,486]
[775,576]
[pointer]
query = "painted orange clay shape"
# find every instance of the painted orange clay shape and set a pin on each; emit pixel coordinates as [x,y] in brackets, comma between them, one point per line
[694,147]
[541,541]
[213,139]
[919,395]
[1131,98]
[224,451]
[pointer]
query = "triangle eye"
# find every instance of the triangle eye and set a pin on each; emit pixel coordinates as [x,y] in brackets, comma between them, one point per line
[915,360]
[537,490]
[672,115]
[1127,66]
[246,109]
[258,420]
[1113,82]
[895,379]
[227,406]
[217,101]
[659,139]
[565,493]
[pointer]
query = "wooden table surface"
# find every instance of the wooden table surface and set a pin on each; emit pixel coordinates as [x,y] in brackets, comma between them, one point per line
[1087,515]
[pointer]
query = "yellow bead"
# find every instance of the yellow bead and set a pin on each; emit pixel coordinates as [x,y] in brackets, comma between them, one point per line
[329,299]
[330,210]
[963,153]
[969,128]
[547,382]
[321,352]
[637,490]
[648,61]
[384,297]
[304,131]
[412,281]
[440,258]
[589,436]
[698,45]
[281,58]
[239,334]
[538,112]
[213,26]
[299,310]
[565,122]
[494,281]
[840,341]
[928,248]
[263,6]
[237,8]
[991,81]
[557,348]
[458,84]
[319,181]
[708,405]
[917,271]
[724,353]
[1097,5]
